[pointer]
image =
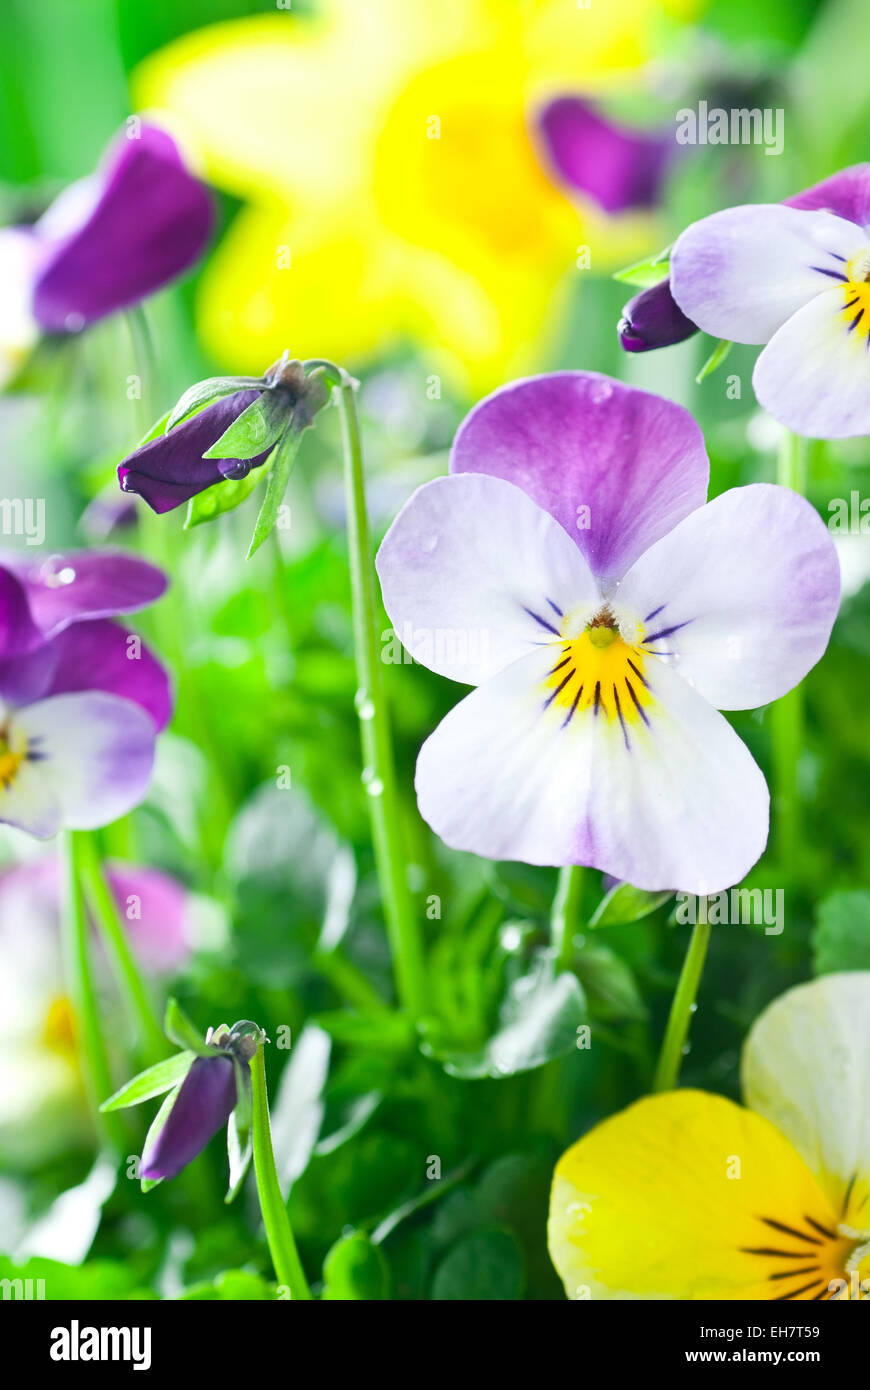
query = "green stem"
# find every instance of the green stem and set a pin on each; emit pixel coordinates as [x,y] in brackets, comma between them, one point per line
[377,744]
[565,917]
[670,1058]
[279,1234]
[787,715]
[80,983]
[153,1044]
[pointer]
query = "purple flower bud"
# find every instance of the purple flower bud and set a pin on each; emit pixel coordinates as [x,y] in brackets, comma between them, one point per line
[203,1105]
[653,320]
[170,469]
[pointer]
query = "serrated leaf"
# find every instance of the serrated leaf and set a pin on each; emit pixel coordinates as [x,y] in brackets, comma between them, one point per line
[624,903]
[223,497]
[179,1029]
[716,358]
[281,466]
[152,1082]
[645,274]
[205,393]
[259,426]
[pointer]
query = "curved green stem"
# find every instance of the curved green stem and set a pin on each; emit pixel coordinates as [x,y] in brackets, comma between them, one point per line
[565,917]
[80,983]
[787,715]
[153,1044]
[670,1058]
[279,1233]
[377,744]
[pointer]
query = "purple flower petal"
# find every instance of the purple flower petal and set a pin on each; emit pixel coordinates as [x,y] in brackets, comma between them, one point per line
[616,167]
[18,632]
[107,513]
[84,584]
[617,467]
[155,909]
[144,222]
[98,655]
[847,194]
[653,319]
[204,1102]
[170,470]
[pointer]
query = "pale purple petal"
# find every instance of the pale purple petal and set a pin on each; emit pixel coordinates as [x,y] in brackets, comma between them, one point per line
[814,374]
[742,273]
[141,222]
[98,655]
[653,319]
[846,194]
[18,632]
[202,1106]
[81,584]
[90,758]
[670,801]
[743,593]
[474,574]
[155,910]
[617,167]
[171,469]
[617,467]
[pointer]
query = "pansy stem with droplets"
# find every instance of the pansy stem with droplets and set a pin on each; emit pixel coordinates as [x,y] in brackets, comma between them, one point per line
[787,713]
[377,743]
[78,966]
[279,1233]
[667,1071]
[565,916]
[152,1042]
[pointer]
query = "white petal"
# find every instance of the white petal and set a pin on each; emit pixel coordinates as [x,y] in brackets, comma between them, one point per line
[814,374]
[742,273]
[474,574]
[96,753]
[806,1067]
[676,803]
[744,593]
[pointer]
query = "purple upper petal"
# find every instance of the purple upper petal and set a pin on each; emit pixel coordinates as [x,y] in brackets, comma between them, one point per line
[617,467]
[154,906]
[619,168]
[202,1106]
[83,584]
[97,655]
[18,632]
[653,319]
[146,220]
[170,470]
[847,194]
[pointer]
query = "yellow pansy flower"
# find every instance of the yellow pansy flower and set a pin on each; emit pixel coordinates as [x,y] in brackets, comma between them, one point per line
[390,181]
[688,1196]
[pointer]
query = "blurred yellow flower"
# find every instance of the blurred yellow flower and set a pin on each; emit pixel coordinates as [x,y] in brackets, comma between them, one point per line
[389,179]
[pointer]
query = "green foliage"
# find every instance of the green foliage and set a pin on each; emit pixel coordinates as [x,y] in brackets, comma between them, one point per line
[841,936]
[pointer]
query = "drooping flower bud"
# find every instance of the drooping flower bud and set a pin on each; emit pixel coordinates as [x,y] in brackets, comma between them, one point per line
[652,319]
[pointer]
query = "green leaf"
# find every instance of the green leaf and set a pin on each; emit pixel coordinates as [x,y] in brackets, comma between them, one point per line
[96,1280]
[179,1029]
[486,1266]
[716,358]
[279,473]
[645,274]
[380,1031]
[538,1021]
[152,1082]
[609,984]
[626,904]
[205,393]
[153,1134]
[240,1132]
[223,497]
[259,426]
[355,1268]
[233,1285]
[841,936]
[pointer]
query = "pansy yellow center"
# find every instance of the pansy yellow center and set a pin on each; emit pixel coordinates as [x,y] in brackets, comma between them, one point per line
[856,296]
[601,673]
[11,757]
[60,1032]
[813,1258]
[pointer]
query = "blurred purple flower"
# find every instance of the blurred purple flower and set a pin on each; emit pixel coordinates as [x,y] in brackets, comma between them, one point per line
[203,1104]
[618,168]
[115,237]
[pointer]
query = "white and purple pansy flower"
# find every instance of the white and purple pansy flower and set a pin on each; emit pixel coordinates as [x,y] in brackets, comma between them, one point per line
[796,277]
[570,568]
[81,699]
[105,243]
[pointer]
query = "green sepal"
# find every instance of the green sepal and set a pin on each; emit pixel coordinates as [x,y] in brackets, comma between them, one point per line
[645,274]
[257,429]
[282,462]
[224,497]
[204,393]
[716,358]
[152,1136]
[625,903]
[179,1030]
[240,1129]
[151,1082]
